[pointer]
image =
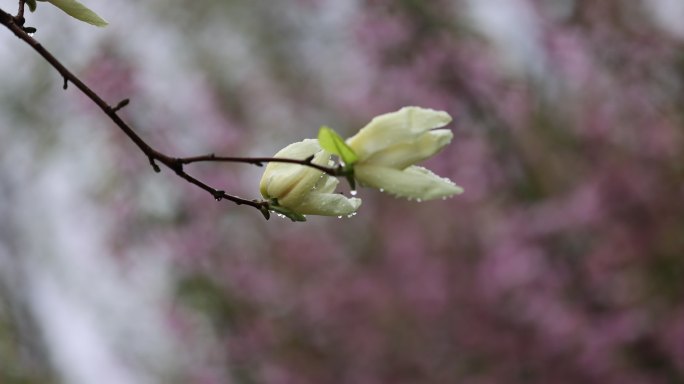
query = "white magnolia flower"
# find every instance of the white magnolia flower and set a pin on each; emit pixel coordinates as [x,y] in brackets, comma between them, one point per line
[302,189]
[390,145]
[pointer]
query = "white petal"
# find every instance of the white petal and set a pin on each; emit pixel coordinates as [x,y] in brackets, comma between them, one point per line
[326,184]
[299,150]
[329,204]
[391,128]
[309,178]
[289,181]
[304,189]
[413,182]
[407,153]
[279,182]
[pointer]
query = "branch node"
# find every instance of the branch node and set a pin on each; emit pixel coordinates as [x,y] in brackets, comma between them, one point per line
[263,208]
[219,194]
[154,165]
[176,165]
[120,105]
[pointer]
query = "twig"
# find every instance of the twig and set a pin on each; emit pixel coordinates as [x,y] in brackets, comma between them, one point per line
[258,161]
[121,104]
[174,163]
[20,13]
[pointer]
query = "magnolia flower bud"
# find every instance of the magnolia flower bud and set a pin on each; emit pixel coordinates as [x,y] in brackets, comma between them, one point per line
[302,189]
[390,145]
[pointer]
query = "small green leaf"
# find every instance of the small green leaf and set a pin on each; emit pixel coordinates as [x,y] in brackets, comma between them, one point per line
[31,4]
[329,140]
[79,11]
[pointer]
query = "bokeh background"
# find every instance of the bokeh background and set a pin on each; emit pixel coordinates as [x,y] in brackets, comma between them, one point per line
[563,262]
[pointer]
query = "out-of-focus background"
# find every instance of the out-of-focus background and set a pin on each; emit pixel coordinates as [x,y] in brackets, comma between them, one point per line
[563,262]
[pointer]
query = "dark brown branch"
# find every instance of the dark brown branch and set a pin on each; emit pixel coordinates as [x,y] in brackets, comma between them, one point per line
[176,164]
[20,13]
[258,161]
[8,21]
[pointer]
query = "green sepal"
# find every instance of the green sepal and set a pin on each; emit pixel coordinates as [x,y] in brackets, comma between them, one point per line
[329,140]
[78,11]
[31,4]
[350,179]
[294,216]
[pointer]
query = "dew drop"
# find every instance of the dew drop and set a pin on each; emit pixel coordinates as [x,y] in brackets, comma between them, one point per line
[382,189]
[339,217]
[218,198]
[353,192]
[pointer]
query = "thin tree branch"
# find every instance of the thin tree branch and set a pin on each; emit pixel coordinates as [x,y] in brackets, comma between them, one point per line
[15,24]
[258,161]
[18,30]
